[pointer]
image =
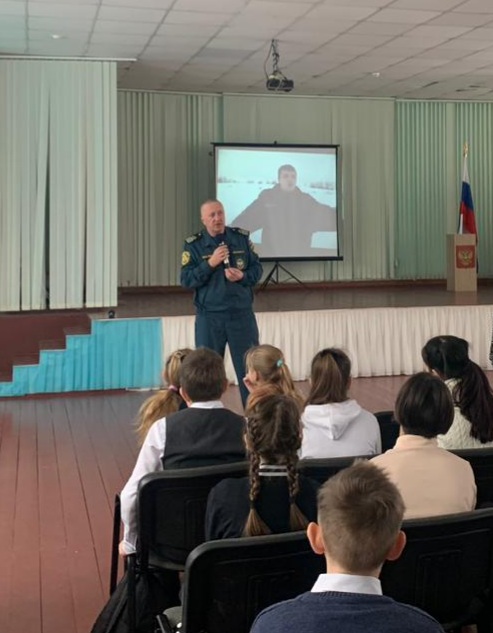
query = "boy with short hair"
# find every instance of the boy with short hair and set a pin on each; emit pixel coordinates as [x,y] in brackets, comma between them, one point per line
[359,519]
[203,434]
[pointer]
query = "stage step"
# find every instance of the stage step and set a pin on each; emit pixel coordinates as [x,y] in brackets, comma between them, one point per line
[116,354]
[23,335]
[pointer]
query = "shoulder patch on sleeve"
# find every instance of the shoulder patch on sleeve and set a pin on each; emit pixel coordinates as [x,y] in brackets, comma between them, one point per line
[193,238]
[237,229]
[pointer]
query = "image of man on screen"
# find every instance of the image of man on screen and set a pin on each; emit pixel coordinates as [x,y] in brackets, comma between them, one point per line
[288,218]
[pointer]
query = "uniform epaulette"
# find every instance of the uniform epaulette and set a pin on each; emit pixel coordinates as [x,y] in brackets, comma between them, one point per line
[193,238]
[237,229]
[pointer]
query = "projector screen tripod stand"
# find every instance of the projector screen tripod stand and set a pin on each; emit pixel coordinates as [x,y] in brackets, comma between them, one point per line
[273,276]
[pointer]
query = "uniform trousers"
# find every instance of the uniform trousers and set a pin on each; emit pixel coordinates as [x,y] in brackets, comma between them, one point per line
[239,330]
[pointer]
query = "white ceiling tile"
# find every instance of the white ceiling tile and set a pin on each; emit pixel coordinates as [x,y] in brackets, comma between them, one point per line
[380,28]
[14,48]
[173,55]
[378,4]
[369,63]
[197,17]
[412,44]
[68,39]
[312,39]
[189,30]
[481,58]
[132,39]
[62,11]
[453,18]
[428,5]
[475,6]
[31,3]
[179,43]
[330,12]
[112,50]
[462,44]
[127,14]
[323,26]
[157,64]
[59,25]
[445,52]
[9,7]
[112,26]
[396,16]
[245,44]
[277,9]
[11,35]
[143,4]
[215,6]
[483,34]
[228,55]
[437,33]
[47,48]
[15,22]
[355,39]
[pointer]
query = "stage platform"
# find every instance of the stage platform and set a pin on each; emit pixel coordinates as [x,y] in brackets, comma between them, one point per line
[381,326]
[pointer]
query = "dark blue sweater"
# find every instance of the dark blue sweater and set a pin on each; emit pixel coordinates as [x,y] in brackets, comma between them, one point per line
[337,612]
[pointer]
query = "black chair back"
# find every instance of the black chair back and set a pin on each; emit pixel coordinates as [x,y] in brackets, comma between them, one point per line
[446,568]
[171,511]
[171,521]
[389,429]
[481,460]
[322,469]
[228,582]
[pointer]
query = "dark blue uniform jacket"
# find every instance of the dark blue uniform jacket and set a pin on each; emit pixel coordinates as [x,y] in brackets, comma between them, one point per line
[213,292]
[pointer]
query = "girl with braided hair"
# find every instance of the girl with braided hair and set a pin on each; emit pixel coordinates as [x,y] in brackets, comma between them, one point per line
[165,401]
[274,498]
[448,357]
[266,365]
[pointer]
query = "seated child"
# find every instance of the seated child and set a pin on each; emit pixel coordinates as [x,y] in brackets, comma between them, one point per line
[431,480]
[266,366]
[335,425]
[203,434]
[275,498]
[165,401]
[359,519]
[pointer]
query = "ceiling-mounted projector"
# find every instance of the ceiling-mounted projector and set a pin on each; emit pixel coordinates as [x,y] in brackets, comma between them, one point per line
[276,80]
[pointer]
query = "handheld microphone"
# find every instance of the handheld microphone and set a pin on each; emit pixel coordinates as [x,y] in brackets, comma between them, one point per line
[226,259]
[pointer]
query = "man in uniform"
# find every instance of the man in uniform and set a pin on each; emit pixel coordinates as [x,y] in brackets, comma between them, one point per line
[219,263]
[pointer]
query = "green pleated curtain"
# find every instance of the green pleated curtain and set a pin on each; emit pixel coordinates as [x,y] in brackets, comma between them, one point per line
[58,184]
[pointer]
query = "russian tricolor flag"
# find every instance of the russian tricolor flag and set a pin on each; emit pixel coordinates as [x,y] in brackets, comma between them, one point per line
[467,220]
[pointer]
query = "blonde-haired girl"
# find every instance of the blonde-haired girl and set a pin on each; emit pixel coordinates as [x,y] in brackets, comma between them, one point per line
[266,366]
[167,400]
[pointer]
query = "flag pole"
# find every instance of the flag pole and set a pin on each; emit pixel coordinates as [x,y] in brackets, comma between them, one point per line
[465,152]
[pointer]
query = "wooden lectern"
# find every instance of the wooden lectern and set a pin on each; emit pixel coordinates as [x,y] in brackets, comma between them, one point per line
[462,275]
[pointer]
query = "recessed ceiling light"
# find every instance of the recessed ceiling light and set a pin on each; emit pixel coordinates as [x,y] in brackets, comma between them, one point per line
[56,36]
[377,74]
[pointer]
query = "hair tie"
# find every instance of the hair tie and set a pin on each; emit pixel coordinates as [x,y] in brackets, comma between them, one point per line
[280,363]
[173,388]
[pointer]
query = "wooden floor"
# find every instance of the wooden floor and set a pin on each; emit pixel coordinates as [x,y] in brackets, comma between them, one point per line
[62,459]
